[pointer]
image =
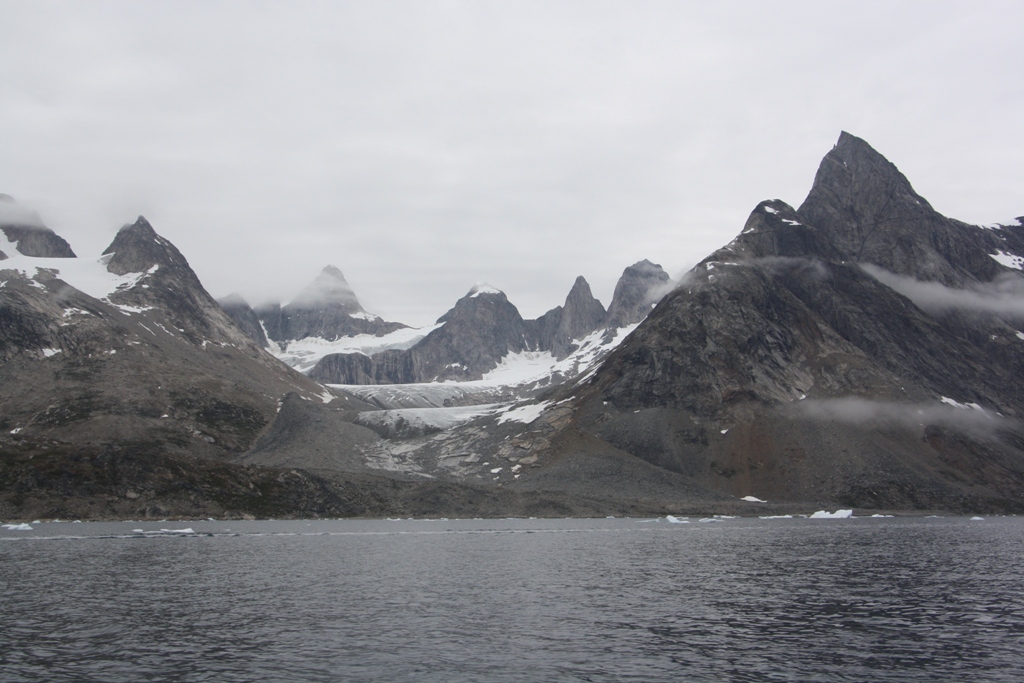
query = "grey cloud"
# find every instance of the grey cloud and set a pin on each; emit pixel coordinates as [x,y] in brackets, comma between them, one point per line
[421,147]
[1004,296]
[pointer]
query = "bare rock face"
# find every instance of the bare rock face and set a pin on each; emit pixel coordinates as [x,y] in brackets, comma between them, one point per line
[641,286]
[857,350]
[25,229]
[328,308]
[581,315]
[238,309]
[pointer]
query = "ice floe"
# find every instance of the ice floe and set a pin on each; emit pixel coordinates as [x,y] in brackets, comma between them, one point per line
[676,520]
[18,527]
[752,499]
[838,514]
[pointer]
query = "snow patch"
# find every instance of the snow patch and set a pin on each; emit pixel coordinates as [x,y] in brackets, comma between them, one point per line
[483,288]
[1009,260]
[84,274]
[525,414]
[51,352]
[962,406]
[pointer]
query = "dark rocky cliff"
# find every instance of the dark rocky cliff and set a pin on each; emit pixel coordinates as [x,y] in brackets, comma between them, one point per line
[792,365]
[641,286]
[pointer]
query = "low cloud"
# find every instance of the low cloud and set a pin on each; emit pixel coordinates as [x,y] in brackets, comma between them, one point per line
[658,292]
[1003,296]
[971,418]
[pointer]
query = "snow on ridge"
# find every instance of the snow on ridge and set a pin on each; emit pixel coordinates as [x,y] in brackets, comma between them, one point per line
[1009,260]
[87,275]
[962,406]
[483,288]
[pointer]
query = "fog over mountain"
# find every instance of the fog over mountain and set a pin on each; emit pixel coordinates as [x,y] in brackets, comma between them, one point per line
[422,147]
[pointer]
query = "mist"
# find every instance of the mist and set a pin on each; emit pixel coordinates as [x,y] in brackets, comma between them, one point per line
[1003,296]
[970,418]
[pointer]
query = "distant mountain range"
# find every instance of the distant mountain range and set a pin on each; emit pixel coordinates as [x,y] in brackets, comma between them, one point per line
[861,351]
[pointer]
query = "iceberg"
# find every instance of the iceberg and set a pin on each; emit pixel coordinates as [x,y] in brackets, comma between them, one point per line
[838,514]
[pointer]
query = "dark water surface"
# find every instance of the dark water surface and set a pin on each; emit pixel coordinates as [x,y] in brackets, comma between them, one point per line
[904,599]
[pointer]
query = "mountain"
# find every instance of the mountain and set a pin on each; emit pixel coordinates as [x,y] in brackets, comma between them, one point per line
[24,230]
[326,309]
[127,387]
[639,288]
[483,331]
[858,351]
[581,314]
[471,339]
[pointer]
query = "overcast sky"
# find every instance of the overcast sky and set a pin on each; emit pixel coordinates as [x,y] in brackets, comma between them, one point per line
[425,146]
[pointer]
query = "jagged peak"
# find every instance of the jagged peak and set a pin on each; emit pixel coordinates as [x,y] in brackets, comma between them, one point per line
[233,300]
[328,288]
[137,248]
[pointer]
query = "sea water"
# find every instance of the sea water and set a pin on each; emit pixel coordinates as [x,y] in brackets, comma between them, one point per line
[714,599]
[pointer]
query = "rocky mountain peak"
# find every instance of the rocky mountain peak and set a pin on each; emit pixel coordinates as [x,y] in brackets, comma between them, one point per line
[482,288]
[328,308]
[868,211]
[328,288]
[137,248]
[25,229]
[641,286]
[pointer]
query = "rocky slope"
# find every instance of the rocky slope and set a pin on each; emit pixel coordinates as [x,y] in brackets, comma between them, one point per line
[105,361]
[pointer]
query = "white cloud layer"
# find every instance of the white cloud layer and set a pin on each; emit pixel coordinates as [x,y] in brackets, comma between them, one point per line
[1004,296]
[424,146]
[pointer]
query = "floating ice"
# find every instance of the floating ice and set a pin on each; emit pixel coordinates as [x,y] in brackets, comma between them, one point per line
[752,499]
[881,515]
[977,519]
[675,520]
[777,517]
[838,514]
[18,527]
